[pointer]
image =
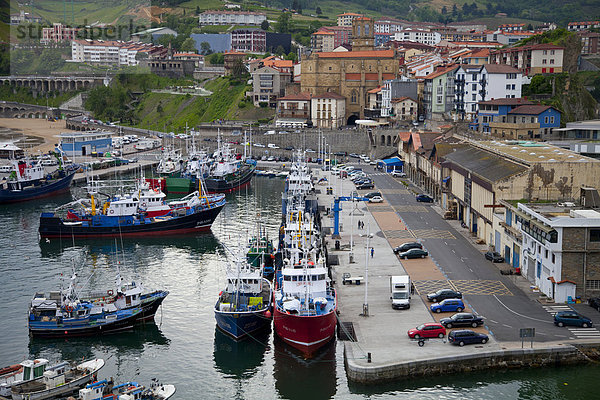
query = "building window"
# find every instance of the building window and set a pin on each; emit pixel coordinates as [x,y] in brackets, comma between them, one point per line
[592,284]
[353,97]
[553,258]
[594,235]
[546,253]
[552,61]
[474,86]
[545,120]
[544,61]
[551,120]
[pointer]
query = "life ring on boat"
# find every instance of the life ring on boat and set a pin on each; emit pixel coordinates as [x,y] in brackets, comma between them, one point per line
[69,308]
[143,205]
[112,211]
[109,292]
[128,222]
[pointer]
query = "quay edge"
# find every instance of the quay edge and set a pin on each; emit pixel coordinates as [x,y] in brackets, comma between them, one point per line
[359,371]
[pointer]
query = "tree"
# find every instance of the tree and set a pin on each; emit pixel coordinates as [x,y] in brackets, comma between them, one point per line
[216,59]
[264,25]
[239,69]
[280,50]
[295,5]
[299,9]
[205,48]
[318,10]
[454,10]
[444,10]
[197,10]
[291,56]
[283,23]
[188,44]
[529,27]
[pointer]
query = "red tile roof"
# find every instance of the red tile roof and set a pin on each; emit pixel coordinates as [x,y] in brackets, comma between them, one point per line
[506,102]
[404,136]
[441,72]
[399,99]
[529,109]
[500,69]
[376,90]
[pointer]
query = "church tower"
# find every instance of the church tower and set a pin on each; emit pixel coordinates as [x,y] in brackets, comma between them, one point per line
[363,37]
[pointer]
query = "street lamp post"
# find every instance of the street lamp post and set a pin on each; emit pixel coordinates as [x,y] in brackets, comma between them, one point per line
[365,312]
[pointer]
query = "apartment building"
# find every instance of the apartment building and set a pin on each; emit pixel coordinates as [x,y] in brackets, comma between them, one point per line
[227,17]
[531,59]
[58,33]
[418,35]
[346,19]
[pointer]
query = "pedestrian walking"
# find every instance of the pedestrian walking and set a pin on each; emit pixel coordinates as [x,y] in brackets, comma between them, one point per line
[372,252]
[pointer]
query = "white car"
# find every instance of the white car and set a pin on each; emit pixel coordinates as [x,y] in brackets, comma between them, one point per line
[310,151]
[270,132]
[398,174]
[376,199]
[258,145]
[272,146]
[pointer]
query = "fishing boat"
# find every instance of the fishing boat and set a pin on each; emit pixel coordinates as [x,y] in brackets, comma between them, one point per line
[128,295]
[170,163]
[17,373]
[245,305]
[107,390]
[305,304]
[28,180]
[63,314]
[125,215]
[59,380]
[261,252]
[227,171]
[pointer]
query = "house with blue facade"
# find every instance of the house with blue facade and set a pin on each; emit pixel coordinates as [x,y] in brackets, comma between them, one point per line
[527,122]
[495,110]
[381,38]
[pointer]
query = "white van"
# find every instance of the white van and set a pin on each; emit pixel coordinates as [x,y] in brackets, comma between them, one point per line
[400,288]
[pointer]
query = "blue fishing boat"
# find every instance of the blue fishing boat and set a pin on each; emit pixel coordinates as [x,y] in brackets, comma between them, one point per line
[261,252]
[28,180]
[245,305]
[129,216]
[63,314]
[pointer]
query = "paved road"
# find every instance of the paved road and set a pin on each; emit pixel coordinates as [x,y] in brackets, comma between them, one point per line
[505,306]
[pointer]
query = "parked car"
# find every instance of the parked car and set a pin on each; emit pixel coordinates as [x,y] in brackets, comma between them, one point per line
[413,253]
[372,194]
[259,145]
[269,132]
[494,256]
[354,155]
[594,302]
[376,199]
[290,148]
[466,336]
[272,146]
[572,318]
[366,185]
[462,319]
[340,153]
[448,305]
[310,151]
[444,294]
[407,246]
[423,198]
[427,330]
[398,174]
[373,162]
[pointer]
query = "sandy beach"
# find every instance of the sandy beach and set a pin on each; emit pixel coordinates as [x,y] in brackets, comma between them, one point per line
[32,135]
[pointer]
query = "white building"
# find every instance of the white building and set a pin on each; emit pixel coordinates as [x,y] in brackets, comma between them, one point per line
[346,19]
[388,25]
[328,110]
[476,83]
[560,244]
[226,17]
[508,38]
[418,35]
[109,52]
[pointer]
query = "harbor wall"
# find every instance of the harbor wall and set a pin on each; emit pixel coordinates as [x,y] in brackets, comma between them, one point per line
[363,373]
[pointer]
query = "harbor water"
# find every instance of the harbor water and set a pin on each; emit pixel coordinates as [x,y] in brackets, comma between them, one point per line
[183,346]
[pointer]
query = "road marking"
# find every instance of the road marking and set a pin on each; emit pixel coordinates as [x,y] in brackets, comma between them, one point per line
[521,315]
[446,243]
[491,320]
[453,251]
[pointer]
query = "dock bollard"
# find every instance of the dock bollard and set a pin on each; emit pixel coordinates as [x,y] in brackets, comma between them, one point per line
[368,357]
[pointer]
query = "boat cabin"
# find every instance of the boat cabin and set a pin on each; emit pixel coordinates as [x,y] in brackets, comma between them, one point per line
[55,375]
[33,369]
[296,281]
[122,206]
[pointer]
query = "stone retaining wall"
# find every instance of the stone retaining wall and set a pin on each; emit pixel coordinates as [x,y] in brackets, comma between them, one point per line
[501,359]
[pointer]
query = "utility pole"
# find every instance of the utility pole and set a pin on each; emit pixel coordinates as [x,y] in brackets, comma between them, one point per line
[365,312]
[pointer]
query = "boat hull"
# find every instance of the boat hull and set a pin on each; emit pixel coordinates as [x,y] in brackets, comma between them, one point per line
[149,307]
[52,226]
[179,185]
[305,333]
[37,192]
[240,324]
[63,331]
[219,185]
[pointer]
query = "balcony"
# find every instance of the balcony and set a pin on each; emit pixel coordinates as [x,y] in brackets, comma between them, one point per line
[293,114]
[372,113]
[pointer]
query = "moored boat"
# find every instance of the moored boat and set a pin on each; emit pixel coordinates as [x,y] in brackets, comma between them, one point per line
[60,380]
[107,390]
[244,306]
[63,314]
[17,373]
[124,216]
[28,180]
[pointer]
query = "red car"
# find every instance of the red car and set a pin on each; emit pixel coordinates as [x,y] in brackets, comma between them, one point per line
[428,330]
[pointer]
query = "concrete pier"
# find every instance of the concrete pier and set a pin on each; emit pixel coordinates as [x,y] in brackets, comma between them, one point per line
[382,350]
